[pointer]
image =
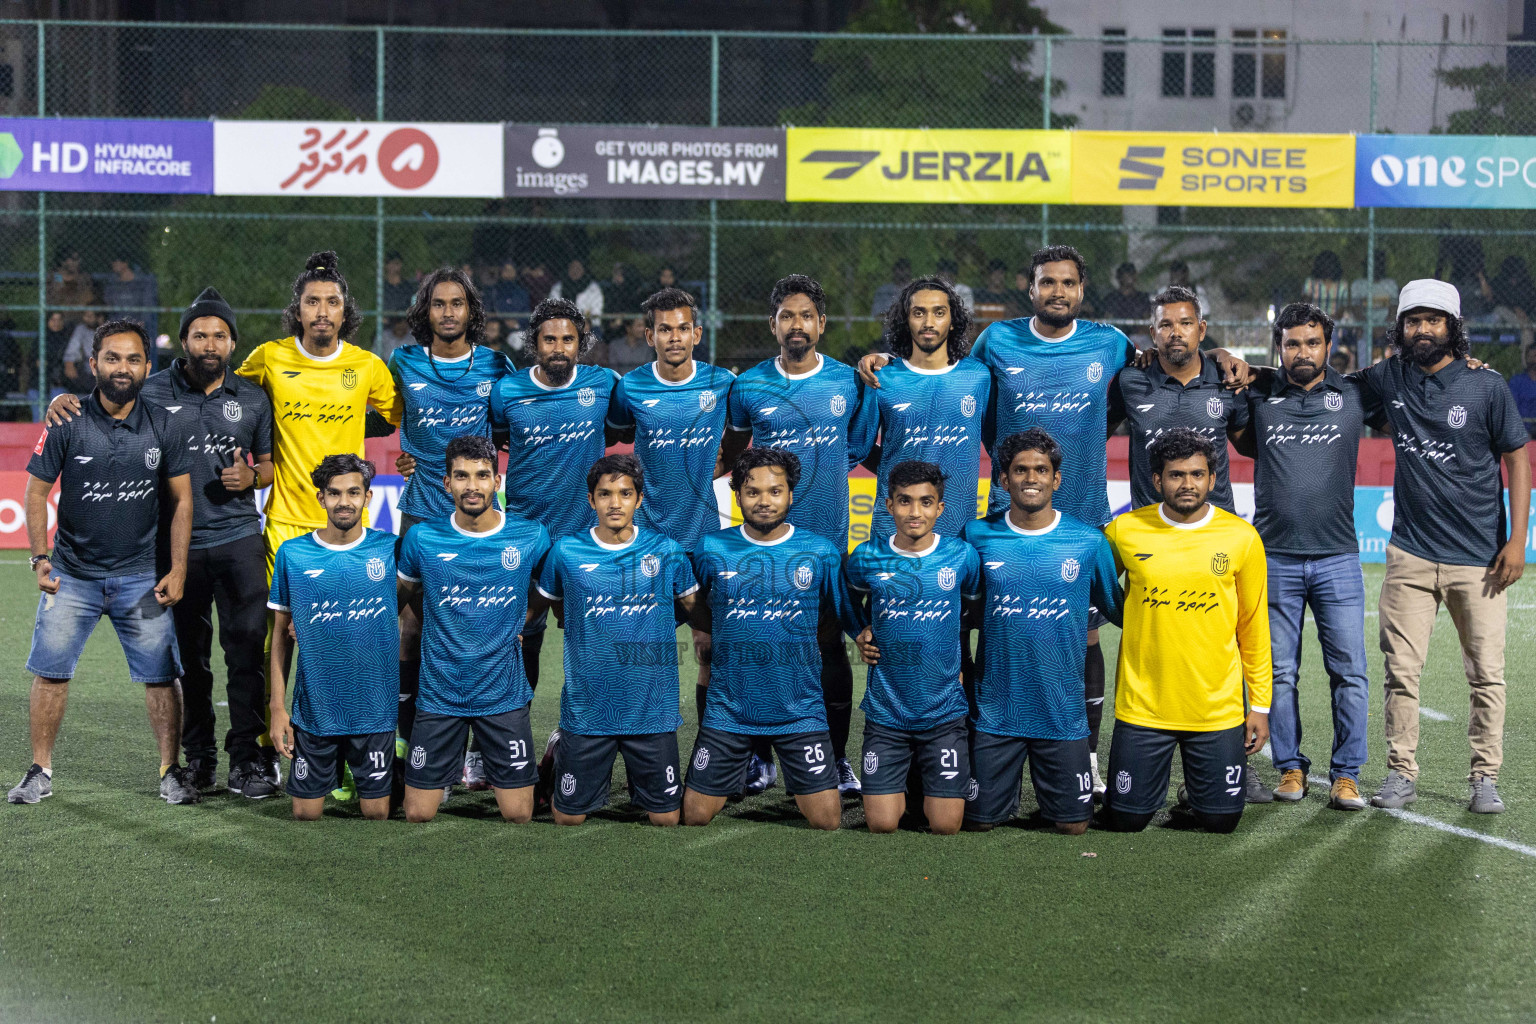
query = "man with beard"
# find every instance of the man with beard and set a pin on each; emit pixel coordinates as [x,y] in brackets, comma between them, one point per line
[111,464]
[444,384]
[224,418]
[816,407]
[1452,427]
[1304,437]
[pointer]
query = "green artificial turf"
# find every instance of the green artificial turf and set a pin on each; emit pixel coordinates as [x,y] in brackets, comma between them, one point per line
[117,907]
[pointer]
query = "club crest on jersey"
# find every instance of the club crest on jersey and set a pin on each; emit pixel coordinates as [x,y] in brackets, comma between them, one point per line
[232,411]
[1123,783]
[511,558]
[567,784]
[651,566]
[1213,407]
[300,768]
[349,379]
[152,458]
[1069,569]
[376,569]
[1095,372]
[1457,417]
[706,401]
[701,759]
[968,406]
[587,397]
[839,405]
[804,577]
[871,762]
[972,790]
[483,389]
[1219,563]
[1334,401]
[947,578]
[418,758]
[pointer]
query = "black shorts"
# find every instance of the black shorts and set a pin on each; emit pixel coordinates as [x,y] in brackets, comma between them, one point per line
[719,763]
[315,771]
[1141,759]
[584,772]
[437,750]
[942,754]
[1058,769]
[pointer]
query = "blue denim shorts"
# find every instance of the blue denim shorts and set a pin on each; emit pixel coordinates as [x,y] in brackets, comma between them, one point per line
[65,621]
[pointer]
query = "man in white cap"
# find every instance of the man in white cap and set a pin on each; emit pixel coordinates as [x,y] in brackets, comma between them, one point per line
[1450,542]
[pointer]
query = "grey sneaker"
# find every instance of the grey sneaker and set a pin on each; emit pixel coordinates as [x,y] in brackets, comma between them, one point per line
[1397,790]
[251,781]
[176,787]
[36,784]
[1255,792]
[1485,796]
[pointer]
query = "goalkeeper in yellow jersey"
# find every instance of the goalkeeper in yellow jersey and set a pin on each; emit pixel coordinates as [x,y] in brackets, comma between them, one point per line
[1196,627]
[321,387]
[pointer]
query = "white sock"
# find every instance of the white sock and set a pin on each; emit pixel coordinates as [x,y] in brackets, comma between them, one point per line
[47,771]
[1093,760]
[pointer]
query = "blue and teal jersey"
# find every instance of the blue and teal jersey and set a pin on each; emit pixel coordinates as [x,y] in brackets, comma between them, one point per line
[1062,386]
[914,612]
[939,416]
[677,436]
[474,600]
[826,418]
[620,631]
[441,399]
[346,680]
[764,600]
[1038,586]
[554,436]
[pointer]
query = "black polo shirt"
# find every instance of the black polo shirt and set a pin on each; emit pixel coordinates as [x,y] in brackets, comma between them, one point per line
[110,473]
[237,414]
[1449,430]
[1306,446]
[1153,403]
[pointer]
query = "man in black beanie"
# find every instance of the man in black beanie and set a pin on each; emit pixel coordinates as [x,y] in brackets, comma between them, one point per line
[228,421]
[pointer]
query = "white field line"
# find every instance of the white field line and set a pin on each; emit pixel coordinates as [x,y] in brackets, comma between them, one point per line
[1455,830]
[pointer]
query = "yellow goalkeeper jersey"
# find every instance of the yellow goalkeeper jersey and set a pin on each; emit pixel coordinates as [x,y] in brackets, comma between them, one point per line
[319,406]
[1196,620]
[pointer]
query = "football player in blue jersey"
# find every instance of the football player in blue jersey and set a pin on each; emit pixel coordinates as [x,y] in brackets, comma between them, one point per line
[469,575]
[914,705]
[619,591]
[766,591]
[443,385]
[816,407]
[333,587]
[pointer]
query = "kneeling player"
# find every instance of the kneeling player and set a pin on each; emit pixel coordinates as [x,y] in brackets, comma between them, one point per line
[469,576]
[1196,624]
[1041,570]
[334,585]
[619,585]
[764,589]
[914,705]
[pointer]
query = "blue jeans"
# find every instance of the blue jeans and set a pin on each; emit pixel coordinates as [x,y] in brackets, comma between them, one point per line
[65,621]
[1334,588]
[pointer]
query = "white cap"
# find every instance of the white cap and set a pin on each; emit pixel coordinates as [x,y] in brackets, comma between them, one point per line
[1429,293]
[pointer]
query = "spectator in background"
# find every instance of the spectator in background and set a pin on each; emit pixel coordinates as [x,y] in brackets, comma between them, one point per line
[56,340]
[132,295]
[994,290]
[1127,302]
[901,274]
[629,351]
[68,285]
[1178,276]
[1461,262]
[1324,287]
[1342,359]
[398,291]
[1382,293]
[948,271]
[1513,294]
[1020,295]
[581,288]
[495,335]
[487,276]
[396,333]
[1523,387]
[77,354]
[13,372]
[538,281]
[507,296]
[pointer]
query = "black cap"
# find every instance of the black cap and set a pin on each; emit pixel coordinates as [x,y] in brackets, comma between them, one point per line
[209,303]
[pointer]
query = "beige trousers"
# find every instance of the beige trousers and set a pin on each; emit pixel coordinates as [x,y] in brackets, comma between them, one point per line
[1411,594]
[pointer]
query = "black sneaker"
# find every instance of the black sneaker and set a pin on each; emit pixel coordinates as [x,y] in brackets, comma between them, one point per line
[273,767]
[176,787]
[203,772]
[251,781]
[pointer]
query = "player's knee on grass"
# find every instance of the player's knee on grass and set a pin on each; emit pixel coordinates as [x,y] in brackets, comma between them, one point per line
[1121,821]
[665,819]
[516,805]
[945,815]
[1070,828]
[1221,824]
[375,809]
[822,810]
[421,804]
[308,810]
[561,818]
[882,814]
[700,809]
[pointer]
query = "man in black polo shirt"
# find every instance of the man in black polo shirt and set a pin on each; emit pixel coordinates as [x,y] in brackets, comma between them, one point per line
[223,418]
[1452,426]
[1304,436]
[111,464]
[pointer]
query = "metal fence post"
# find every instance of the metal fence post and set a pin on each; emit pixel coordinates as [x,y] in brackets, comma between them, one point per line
[42,240]
[713,316]
[1370,233]
[1045,122]
[378,202]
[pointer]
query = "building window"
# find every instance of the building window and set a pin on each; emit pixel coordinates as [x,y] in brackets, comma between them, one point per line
[1258,63]
[1189,62]
[1112,63]
[1202,62]
[1175,43]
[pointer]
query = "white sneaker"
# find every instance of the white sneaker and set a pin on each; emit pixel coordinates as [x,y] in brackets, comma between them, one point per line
[474,771]
[1098,782]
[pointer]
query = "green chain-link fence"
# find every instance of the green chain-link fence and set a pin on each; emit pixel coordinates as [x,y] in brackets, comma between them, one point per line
[58,251]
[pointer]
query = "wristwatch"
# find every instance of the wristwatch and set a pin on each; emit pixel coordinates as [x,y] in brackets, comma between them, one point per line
[39,558]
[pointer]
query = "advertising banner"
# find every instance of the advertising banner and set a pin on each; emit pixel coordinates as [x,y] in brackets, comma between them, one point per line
[356,158]
[878,165]
[1212,169]
[1481,171]
[644,163]
[58,155]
